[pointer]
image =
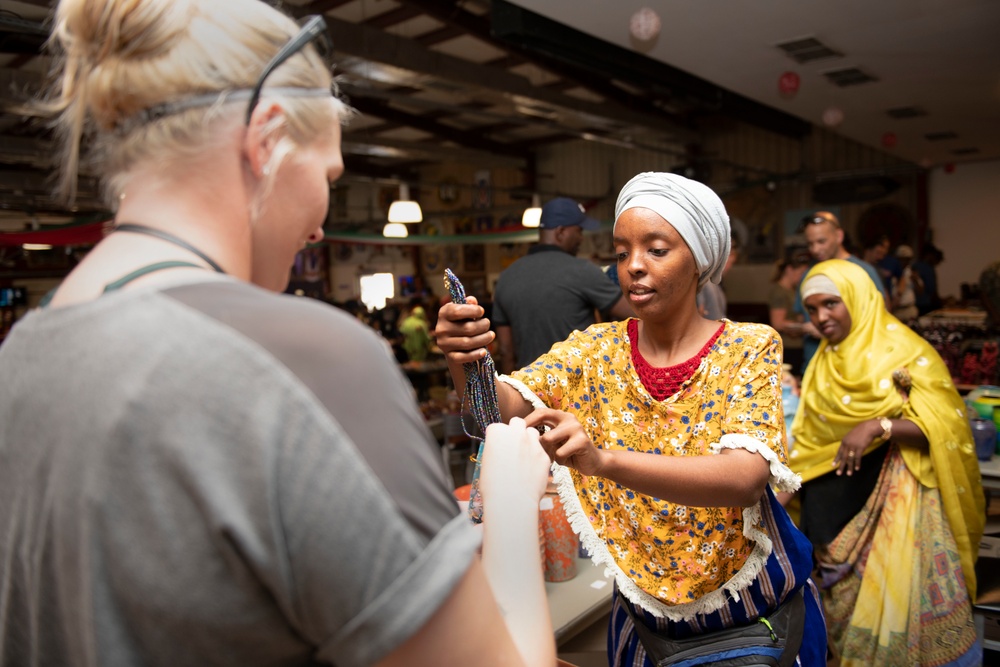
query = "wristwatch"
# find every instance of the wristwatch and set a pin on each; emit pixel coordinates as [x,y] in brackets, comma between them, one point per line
[886,425]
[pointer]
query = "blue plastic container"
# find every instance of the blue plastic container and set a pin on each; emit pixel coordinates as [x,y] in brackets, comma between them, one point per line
[984,432]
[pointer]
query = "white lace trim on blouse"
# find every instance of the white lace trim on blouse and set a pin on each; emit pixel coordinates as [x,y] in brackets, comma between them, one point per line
[781,476]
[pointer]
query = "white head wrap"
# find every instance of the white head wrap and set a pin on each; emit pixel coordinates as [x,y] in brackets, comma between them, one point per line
[818,284]
[693,209]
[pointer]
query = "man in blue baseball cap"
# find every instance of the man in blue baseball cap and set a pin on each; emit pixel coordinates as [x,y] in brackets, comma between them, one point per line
[549,293]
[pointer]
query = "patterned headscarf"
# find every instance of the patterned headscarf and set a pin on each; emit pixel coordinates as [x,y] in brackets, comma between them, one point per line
[693,209]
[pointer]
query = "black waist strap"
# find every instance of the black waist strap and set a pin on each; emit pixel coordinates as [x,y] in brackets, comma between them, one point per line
[761,643]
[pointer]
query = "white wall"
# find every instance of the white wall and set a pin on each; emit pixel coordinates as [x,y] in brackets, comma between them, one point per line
[748,283]
[965,216]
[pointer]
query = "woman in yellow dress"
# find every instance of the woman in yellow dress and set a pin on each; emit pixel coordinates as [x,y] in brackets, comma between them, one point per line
[891,496]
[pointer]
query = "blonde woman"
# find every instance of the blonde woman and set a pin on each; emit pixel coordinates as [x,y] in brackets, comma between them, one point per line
[195,470]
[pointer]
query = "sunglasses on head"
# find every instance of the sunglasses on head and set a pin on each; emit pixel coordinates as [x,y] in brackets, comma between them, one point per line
[313,28]
[817,220]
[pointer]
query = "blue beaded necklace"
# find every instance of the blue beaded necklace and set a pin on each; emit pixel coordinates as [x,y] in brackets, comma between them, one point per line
[481,397]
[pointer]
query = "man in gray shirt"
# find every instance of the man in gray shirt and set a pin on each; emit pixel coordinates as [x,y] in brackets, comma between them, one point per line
[549,293]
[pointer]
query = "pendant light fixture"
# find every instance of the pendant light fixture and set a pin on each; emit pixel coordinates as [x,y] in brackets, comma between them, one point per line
[404,209]
[395,230]
[532,216]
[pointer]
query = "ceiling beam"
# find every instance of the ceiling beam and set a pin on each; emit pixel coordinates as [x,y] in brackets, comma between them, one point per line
[469,139]
[507,61]
[557,47]
[449,13]
[317,7]
[442,34]
[360,144]
[358,166]
[27,151]
[394,17]
[375,45]
[27,83]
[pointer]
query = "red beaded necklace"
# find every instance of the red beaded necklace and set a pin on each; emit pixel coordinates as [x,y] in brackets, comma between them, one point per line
[662,383]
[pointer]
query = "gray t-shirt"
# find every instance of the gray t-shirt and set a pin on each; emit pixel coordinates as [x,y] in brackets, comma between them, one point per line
[215,475]
[548,294]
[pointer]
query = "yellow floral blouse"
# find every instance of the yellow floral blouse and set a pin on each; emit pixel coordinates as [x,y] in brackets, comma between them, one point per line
[667,554]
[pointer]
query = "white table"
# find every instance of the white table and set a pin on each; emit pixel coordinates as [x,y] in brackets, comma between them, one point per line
[579,602]
[990,471]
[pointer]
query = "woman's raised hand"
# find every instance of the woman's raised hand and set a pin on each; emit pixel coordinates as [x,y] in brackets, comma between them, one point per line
[462,332]
[566,441]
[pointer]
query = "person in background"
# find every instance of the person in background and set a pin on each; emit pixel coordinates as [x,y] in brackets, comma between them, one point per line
[196,469]
[989,292]
[890,269]
[668,433]
[928,299]
[906,287]
[781,302]
[711,299]
[416,333]
[548,293]
[874,253]
[825,239]
[891,494]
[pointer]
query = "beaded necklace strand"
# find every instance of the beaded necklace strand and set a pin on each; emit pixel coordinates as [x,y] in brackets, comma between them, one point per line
[481,394]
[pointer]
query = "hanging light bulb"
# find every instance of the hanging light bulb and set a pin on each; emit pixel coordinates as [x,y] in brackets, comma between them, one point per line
[395,230]
[405,209]
[532,216]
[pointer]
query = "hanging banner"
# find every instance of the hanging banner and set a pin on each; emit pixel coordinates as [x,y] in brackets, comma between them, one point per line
[78,233]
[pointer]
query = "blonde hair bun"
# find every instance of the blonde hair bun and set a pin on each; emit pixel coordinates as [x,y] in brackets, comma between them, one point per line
[119,58]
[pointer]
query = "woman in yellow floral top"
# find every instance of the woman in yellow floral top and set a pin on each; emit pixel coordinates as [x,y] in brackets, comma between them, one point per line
[666,432]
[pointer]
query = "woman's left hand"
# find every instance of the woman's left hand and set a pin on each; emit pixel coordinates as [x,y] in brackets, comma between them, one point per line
[566,442]
[853,446]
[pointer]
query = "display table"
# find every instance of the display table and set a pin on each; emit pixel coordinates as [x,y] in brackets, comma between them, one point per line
[990,471]
[576,604]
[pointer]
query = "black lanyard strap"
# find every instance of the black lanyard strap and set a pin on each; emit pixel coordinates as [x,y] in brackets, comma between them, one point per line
[139,273]
[169,238]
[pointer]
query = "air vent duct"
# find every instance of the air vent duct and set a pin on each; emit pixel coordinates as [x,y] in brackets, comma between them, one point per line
[902,113]
[940,136]
[807,49]
[852,76]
